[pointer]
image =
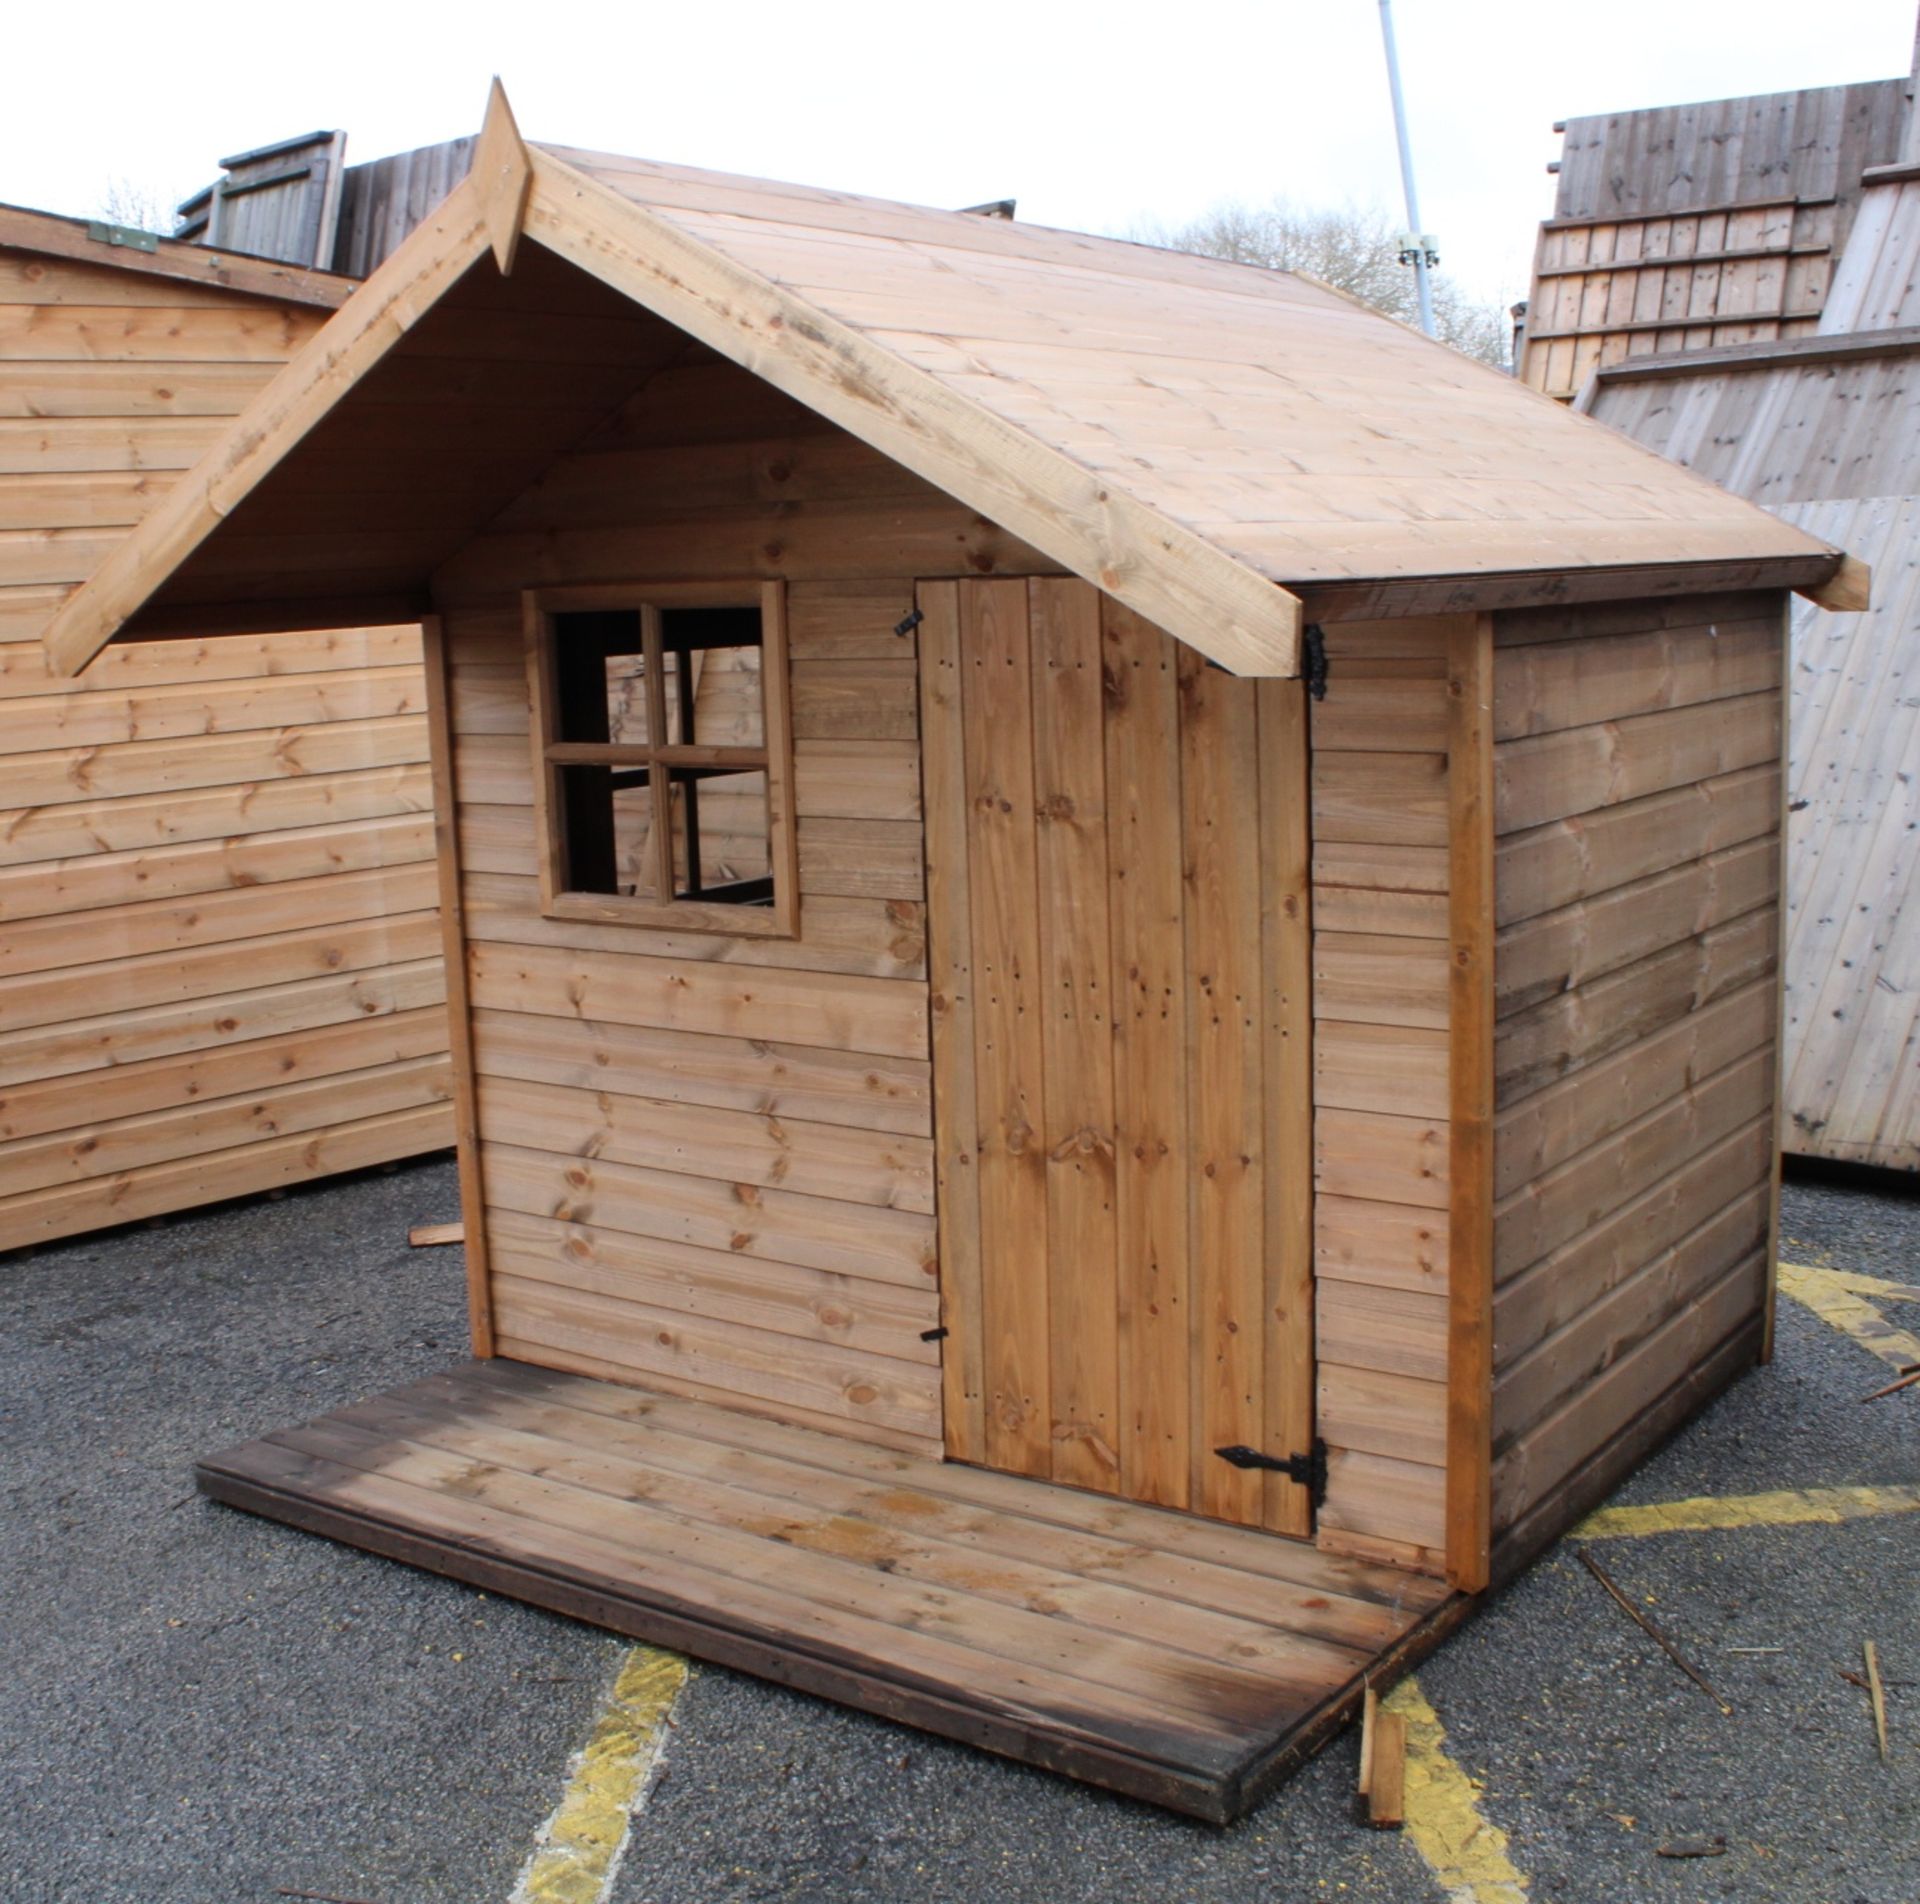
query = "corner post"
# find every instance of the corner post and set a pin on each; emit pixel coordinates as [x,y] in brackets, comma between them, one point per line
[1469,1515]
[1780,872]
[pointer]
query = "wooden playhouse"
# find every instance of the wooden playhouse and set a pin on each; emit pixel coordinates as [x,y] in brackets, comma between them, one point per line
[219,957]
[1113,931]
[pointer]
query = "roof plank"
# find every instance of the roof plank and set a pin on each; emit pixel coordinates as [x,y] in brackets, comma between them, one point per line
[1149,561]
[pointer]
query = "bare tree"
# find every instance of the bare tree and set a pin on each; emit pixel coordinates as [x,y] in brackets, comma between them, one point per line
[137,207]
[1355,250]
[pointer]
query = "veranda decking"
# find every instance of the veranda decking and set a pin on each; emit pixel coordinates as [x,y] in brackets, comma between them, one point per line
[1179,1660]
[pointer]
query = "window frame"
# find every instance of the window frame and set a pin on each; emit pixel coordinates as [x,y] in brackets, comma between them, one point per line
[540,607]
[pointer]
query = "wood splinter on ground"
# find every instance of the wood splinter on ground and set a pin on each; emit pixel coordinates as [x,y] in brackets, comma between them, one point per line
[424,1235]
[1878,1694]
[1383,1764]
[1909,1375]
[1714,1847]
[1666,1645]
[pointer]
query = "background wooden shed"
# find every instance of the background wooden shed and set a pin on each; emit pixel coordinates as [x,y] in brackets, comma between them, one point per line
[1817,418]
[220,963]
[1157,1182]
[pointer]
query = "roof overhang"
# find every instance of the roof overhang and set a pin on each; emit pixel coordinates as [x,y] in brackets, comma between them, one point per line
[1155,565]
[1215,600]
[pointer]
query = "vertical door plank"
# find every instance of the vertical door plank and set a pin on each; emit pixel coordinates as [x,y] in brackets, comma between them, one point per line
[998,721]
[1287,1066]
[1149,1069]
[956,1111]
[1470,664]
[1225,1001]
[1075,997]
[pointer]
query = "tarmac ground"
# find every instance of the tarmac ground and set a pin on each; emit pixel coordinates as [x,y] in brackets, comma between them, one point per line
[205,1707]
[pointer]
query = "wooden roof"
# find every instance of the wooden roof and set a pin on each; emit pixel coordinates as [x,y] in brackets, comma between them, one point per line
[1208,442]
[55,236]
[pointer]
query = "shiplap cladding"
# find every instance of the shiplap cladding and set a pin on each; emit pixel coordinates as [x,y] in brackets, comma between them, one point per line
[1381,1085]
[1637,795]
[708,1161]
[1684,227]
[1827,435]
[219,955]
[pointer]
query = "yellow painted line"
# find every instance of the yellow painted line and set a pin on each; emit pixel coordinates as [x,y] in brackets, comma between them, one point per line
[578,1850]
[1827,1294]
[1788,1507]
[1859,1284]
[1463,1849]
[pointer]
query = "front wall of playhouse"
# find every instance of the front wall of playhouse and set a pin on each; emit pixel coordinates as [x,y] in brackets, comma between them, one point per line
[1202,1146]
[707,1162]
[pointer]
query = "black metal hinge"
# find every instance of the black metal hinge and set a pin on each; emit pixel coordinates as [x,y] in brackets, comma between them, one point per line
[1309,1469]
[1313,660]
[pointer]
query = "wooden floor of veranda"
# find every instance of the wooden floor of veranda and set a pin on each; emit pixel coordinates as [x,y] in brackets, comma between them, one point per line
[1178,1660]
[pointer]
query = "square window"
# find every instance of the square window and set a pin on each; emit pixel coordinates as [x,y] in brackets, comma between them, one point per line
[663,759]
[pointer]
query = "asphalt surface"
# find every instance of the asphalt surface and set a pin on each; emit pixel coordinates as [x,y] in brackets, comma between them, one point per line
[200,1706]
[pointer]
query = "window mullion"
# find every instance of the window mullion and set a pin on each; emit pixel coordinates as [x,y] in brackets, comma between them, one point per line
[653,659]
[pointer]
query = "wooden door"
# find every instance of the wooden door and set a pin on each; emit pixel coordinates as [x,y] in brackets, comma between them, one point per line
[1118,948]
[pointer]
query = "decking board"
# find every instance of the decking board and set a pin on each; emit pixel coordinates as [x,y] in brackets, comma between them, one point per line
[1182,1662]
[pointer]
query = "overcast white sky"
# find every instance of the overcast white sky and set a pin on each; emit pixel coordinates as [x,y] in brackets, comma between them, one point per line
[1093,116]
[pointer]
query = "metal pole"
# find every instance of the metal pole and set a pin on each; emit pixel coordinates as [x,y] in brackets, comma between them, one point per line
[1420,278]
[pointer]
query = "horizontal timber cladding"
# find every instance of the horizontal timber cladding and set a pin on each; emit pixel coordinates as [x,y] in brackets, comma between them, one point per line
[1116,849]
[1637,787]
[1386,812]
[219,967]
[707,1161]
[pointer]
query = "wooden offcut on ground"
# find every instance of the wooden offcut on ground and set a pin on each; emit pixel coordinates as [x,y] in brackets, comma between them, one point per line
[1180,1661]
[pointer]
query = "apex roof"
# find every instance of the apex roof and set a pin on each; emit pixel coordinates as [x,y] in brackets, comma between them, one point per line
[1209,442]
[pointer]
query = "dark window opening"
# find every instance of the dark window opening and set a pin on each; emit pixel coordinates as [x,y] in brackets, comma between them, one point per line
[659,752]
